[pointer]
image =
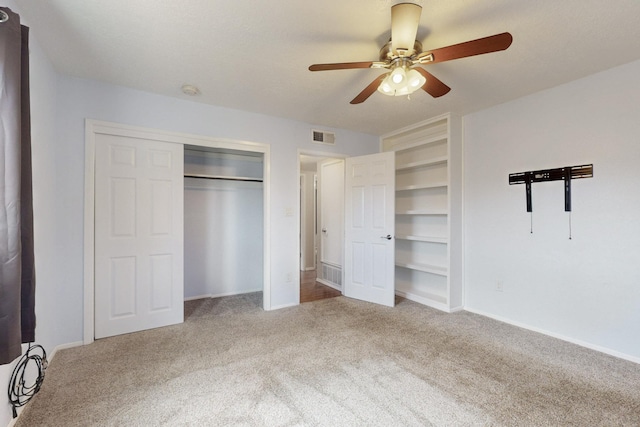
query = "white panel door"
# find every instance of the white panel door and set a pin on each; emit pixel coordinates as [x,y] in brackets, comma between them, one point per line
[369,228]
[138,234]
[331,211]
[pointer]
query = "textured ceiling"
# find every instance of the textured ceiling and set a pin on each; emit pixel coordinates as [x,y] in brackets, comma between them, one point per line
[253,55]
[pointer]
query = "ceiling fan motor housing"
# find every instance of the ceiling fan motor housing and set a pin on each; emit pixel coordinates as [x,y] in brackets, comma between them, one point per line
[387,54]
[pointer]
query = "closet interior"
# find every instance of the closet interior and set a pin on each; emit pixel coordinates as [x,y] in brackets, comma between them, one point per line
[223,222]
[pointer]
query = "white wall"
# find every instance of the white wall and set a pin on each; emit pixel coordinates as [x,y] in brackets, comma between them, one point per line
[223,237]
[587,289]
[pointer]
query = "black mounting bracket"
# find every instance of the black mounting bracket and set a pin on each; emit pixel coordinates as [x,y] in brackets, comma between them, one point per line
[567,174]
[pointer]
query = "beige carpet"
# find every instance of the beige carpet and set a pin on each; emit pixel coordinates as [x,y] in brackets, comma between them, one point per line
[335,362]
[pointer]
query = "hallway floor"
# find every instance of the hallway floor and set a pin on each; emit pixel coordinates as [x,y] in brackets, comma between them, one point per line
[311,290]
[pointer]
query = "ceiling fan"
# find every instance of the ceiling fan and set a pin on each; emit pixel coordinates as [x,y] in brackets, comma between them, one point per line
[403,54]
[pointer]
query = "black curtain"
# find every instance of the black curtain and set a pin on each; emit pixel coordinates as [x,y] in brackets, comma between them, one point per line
[17,271]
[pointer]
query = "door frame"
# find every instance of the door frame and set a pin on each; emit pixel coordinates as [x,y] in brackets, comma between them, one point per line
[93,127]
[304,212]
[325,154]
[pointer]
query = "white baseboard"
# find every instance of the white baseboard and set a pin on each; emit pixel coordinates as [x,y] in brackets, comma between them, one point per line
[198,297]
[585,344]
[226,294]
[329,284]
[278,307]
[63,347]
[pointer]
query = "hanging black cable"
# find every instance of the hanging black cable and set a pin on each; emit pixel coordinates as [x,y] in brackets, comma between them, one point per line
[19,392]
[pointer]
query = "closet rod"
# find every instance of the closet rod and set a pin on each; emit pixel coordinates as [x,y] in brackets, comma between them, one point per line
[226,178]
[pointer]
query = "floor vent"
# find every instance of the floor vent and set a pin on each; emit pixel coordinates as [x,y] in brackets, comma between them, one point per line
[320,137]
[332,274]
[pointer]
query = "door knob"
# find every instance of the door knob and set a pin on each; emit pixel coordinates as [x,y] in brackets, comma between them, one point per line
[324,230]
[388,237]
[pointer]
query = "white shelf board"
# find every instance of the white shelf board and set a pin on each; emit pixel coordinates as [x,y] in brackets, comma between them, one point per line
[423,163]
[433,269]
[428,239]
[422,142]
[422,186]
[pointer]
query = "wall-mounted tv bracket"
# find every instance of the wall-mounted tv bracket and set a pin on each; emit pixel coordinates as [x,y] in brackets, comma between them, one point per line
[566,174]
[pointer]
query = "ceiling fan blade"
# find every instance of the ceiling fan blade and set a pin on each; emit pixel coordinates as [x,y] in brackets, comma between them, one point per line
[405,18]
[433,86]
[470,48]
[340,66]
[366,93]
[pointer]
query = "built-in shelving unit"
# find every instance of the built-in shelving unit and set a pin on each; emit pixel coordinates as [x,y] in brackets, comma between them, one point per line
[428,212]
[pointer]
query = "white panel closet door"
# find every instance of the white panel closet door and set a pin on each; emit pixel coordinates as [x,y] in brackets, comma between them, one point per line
[369,228]
[138,234]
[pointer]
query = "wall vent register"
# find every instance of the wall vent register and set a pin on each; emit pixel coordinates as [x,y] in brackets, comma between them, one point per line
[320,137]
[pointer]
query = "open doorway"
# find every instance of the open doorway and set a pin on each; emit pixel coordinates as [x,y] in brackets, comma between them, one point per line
[321,226]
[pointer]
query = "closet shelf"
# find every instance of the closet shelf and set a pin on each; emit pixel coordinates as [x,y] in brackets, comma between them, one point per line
[421,163]
[222,177]
[422,186]
[428,239]
[427,268]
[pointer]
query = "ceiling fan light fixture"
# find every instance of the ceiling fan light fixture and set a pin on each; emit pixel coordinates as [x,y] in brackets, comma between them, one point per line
[385,88]
[409,81]
[398,76]
[415,79]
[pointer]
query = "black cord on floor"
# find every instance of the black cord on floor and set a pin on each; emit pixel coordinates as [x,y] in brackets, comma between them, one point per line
[19,392]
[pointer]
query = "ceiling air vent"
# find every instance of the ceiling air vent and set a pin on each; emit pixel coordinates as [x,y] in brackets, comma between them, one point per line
[320,137]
